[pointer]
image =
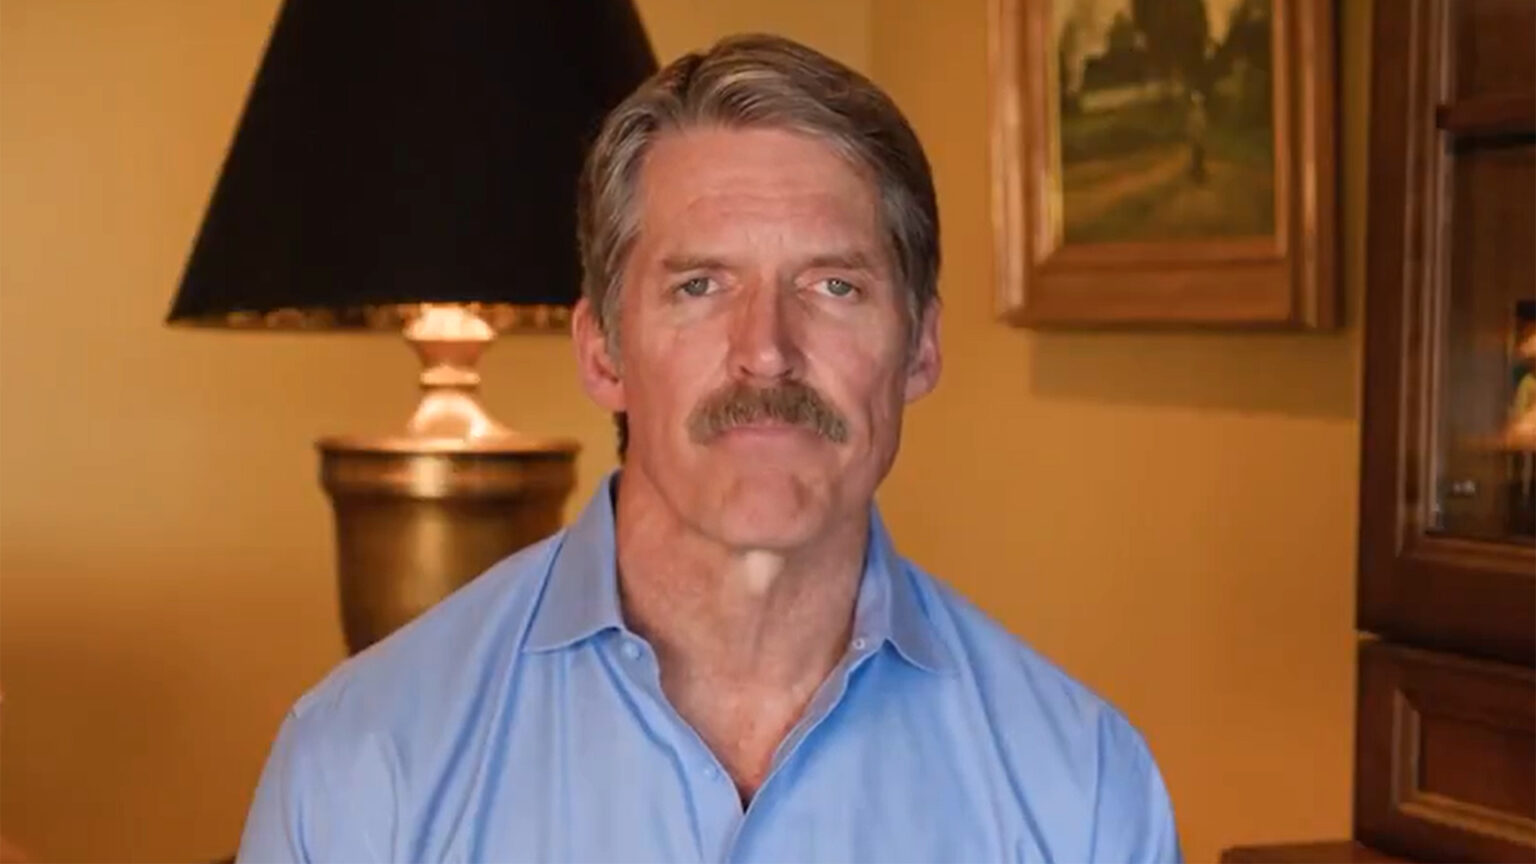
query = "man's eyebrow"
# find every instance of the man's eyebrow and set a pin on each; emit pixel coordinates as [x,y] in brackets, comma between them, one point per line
[851,260]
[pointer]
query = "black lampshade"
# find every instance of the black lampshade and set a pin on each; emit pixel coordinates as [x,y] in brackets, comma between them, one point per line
[409,151]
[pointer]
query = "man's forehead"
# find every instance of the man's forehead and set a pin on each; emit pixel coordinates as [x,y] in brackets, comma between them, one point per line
[693,162]
[714,181]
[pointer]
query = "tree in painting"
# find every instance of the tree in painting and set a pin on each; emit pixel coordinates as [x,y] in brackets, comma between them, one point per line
[1166,119]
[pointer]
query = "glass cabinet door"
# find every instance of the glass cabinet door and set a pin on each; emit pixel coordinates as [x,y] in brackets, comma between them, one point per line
[1448,533]
[1484,483]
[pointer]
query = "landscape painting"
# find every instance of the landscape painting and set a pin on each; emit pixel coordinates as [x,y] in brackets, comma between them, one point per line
[1166,119]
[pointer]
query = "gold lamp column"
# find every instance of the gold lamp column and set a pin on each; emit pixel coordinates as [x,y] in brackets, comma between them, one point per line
[421,513]
[411,167]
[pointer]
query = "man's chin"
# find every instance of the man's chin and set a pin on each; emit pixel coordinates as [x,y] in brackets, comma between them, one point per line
[769,510]
[757,536]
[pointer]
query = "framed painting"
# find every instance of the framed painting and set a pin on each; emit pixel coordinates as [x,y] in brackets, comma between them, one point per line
[1164,162]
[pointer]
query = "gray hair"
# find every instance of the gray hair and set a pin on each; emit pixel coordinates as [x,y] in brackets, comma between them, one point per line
[758,81]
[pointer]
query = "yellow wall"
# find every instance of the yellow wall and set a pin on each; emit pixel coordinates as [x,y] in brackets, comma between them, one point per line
[1169,516]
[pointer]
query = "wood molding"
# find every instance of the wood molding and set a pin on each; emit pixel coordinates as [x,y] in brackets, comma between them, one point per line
[1444,755]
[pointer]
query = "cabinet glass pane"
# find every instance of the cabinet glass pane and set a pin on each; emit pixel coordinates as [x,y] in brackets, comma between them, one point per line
[1484,487]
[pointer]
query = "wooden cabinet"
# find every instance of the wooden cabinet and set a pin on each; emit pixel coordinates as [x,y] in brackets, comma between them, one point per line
[1446,720]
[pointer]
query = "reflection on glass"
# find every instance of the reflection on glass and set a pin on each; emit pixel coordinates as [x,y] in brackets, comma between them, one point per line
[1520,433]
[1485,467]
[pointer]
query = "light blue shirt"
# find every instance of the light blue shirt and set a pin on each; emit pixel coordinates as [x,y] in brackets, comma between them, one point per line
[521,720]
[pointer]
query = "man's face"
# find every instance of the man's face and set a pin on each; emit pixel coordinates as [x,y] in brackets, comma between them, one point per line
[764,348]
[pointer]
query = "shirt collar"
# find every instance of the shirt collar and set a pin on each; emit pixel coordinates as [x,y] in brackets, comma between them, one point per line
[890,608]
[581,591]
[581,594]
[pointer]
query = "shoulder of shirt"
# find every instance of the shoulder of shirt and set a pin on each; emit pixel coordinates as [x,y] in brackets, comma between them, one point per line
[1019,682]
[1071,758]
[449,648]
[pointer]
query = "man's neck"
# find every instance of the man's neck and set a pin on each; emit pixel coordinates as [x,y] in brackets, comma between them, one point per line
[744,638]
[767,617]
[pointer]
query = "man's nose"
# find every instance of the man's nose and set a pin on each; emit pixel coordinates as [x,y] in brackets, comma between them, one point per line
[763,342]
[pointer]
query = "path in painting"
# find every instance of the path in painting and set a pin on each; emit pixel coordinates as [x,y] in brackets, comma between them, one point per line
[1153,195]
[1095,188]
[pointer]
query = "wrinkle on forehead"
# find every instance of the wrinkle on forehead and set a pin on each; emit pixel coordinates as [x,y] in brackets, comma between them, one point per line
[760,185]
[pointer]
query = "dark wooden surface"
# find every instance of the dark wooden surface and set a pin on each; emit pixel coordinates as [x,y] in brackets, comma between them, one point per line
[1488,115]
[1333,852]
[1445,763]
[1494,40]
[1456,593]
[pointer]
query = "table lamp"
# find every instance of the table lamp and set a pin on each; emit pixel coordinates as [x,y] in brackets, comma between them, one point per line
[411,166]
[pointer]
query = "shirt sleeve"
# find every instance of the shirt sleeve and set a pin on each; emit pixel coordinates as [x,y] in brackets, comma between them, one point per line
[1133,820]
[300,814]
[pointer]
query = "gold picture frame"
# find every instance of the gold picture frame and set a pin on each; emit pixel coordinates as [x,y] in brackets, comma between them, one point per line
[1088,239]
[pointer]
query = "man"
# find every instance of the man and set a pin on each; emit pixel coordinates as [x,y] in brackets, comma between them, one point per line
[723,659]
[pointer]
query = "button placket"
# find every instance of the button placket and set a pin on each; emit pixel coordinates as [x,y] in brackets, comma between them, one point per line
[719,811]
[718,807]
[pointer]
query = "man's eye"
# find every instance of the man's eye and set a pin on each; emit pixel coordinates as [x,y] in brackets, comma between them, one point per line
[698,286]
[838,287]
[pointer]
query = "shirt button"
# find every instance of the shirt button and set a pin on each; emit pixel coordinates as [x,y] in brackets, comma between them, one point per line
[859,643]
[711,772]
[631,650]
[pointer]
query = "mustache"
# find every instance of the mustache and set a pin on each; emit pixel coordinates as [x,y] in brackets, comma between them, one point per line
[791,403]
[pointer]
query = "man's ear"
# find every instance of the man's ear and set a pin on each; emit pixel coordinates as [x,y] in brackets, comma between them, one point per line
[926,360]
[599,369]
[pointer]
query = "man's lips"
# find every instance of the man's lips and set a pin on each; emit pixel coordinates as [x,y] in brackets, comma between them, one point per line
[767,429]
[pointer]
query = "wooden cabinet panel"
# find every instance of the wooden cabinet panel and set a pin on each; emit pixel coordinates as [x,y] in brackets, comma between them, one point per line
[1446,755]
[1492,42]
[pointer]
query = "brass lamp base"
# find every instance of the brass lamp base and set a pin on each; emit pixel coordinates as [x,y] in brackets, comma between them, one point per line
[421,513]
[416,520]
